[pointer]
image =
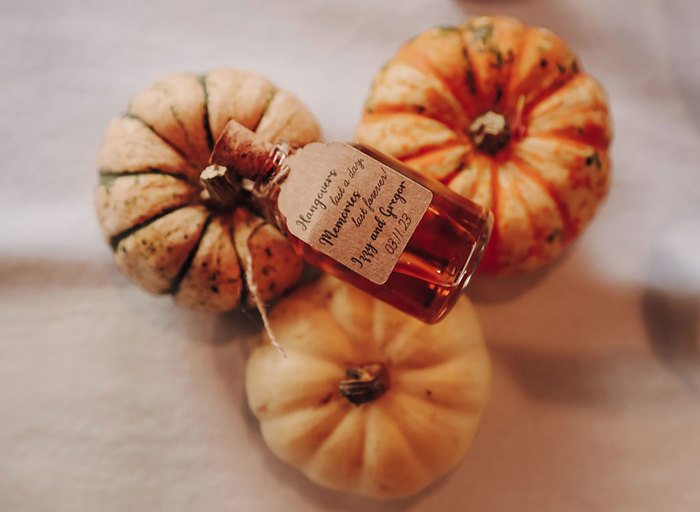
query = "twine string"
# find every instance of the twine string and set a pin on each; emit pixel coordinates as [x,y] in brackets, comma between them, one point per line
[259,304]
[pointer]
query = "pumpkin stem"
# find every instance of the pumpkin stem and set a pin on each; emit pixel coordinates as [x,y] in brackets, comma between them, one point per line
[365,383]
[490,132]
[217,188]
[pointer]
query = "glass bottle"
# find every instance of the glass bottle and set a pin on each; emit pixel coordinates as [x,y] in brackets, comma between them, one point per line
[364,217]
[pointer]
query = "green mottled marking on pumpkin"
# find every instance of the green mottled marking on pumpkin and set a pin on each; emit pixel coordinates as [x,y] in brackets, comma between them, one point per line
[594,159]
[206,121]
[483,34]
[131,115]
[500,60]
[107,180]
[554,235]
[160,85]
[469,77]
[108,177]
[561,68]
[182,126]
[498,64]
[446,29]
[266,108]
[129,203]
[116,239]
[177,281]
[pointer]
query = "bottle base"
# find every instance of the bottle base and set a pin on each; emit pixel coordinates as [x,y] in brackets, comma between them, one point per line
[465,274]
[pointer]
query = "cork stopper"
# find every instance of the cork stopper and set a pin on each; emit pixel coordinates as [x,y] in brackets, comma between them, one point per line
[242,151]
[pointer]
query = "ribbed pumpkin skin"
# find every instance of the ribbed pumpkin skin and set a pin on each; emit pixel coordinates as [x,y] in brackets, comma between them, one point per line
[396,444]
[165,239]
[546,184]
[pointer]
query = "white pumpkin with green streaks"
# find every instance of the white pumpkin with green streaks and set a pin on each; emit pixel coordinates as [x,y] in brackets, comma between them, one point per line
[165,238]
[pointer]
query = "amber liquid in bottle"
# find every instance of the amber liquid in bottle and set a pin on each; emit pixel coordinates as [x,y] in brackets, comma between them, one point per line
[438,260]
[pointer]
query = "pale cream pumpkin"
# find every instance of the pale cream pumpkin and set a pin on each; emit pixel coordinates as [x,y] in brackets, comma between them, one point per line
[503,114]
[420,388]
[168,238]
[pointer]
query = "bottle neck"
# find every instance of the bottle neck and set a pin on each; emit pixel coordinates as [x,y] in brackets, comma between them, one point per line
[277,170]
[266,187]
[242,160]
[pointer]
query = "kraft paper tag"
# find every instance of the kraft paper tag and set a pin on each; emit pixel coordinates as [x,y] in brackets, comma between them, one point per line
[351,207]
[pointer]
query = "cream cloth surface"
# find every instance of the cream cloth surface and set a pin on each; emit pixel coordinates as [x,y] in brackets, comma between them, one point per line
[114,400]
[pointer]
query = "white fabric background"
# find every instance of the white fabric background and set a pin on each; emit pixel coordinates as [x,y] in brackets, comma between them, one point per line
[113,400]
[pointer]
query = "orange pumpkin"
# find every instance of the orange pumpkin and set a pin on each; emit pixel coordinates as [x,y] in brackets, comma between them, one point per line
[503,114]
